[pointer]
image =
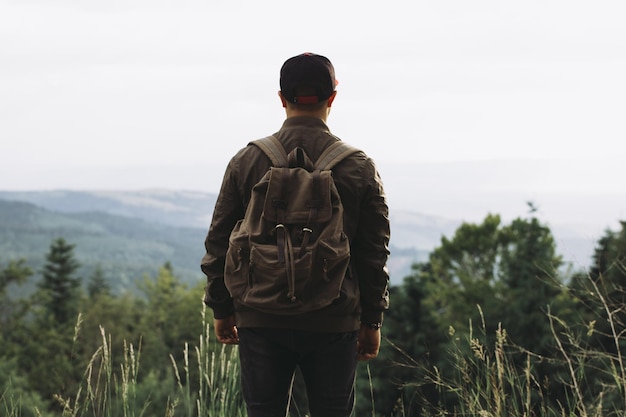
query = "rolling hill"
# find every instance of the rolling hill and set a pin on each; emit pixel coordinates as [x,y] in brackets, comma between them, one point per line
[125,248]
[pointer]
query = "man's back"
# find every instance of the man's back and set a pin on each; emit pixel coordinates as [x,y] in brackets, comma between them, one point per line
[365,225]
[326,342]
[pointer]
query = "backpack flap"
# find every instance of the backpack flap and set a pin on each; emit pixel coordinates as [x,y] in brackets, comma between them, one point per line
[290,196]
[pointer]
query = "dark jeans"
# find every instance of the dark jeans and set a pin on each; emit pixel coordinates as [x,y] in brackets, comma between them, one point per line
[269,358]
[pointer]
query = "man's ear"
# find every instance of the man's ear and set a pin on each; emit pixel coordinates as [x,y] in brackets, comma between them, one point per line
[332,98]
[282,99]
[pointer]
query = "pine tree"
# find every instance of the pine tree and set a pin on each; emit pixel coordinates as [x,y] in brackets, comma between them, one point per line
[60,287]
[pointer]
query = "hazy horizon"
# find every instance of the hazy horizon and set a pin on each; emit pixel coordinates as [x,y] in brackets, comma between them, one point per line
[466,190]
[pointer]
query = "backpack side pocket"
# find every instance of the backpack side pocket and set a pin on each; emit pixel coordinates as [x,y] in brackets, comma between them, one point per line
[237,265]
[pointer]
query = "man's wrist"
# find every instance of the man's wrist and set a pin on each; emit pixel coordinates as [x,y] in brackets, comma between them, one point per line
[373,326]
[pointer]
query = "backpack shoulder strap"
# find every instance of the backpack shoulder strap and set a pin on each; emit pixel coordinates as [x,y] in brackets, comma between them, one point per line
[334,154]
[273,149]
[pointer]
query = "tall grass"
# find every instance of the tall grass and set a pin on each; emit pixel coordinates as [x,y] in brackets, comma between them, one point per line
[218,391]
[502,380]
[486,382]
[109,391]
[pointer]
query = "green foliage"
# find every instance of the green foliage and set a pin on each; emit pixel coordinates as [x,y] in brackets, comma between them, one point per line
[16,396]
[60,288]
[171,314]
[46,356]
[183,374]
[461,273]
[16,272]
[487,326]
[110,389]
[122,315]
[487,378]
[610,260]
[42,340]
[490,274]
[598,301]
[98,284]
[528,270]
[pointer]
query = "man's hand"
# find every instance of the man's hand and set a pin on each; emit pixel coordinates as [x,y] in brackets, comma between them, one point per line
[226,330]
[368,343]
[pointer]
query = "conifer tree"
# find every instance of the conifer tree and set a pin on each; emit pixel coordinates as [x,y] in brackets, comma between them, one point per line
[47,341]
[60,287]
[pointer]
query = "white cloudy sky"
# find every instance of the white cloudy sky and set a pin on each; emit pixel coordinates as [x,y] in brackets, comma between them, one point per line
[467,106]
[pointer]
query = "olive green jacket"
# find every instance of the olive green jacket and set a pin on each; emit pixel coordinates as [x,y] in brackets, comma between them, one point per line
[364,295]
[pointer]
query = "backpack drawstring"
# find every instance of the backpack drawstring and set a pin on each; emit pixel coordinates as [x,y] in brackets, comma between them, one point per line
[290,266]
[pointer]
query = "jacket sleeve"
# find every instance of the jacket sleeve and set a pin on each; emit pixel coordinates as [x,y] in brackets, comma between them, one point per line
[371,249]
[228,209]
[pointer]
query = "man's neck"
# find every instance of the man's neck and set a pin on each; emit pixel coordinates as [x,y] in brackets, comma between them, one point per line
[320,114]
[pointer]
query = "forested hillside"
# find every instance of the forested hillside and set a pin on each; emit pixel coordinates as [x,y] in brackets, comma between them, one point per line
[122,248]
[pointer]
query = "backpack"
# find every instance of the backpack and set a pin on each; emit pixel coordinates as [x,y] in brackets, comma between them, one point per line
[289,254]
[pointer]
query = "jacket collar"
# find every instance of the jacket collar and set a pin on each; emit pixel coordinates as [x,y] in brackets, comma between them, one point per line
[305,121]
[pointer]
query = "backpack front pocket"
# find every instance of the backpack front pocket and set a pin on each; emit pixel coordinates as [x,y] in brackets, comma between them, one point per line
[277,286]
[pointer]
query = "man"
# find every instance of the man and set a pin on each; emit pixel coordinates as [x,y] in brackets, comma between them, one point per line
[326,343]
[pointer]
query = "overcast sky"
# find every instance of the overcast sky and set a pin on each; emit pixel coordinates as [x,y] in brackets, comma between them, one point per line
[466,106]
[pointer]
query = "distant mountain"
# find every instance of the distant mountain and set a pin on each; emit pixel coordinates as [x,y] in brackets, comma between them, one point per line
[131,233]
[174,208]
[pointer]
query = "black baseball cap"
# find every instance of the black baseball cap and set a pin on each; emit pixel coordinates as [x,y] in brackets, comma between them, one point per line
[309,71]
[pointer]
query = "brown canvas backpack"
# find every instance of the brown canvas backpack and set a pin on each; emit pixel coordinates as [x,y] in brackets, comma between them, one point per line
[289,254]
